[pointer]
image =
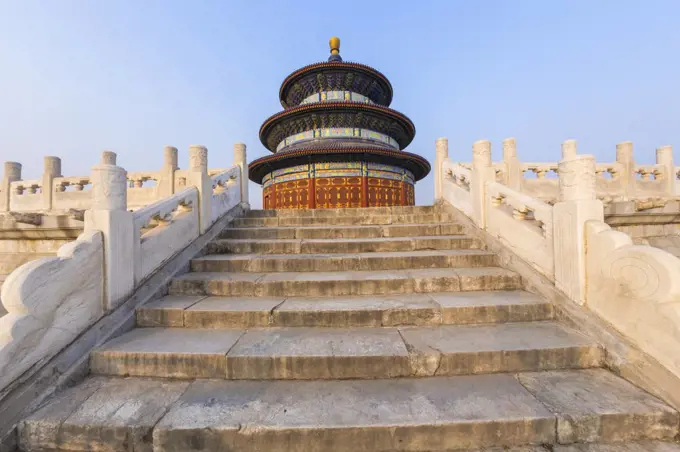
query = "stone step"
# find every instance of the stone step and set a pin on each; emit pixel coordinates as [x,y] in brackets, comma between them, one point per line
[454,308]
[340,353]
[314,284]
[349,212]
[634,446]
[400,260]
[316,246]
[343,232]
[406,415]
[361,218]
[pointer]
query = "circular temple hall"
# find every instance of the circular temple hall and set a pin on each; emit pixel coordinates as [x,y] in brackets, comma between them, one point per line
[337,143]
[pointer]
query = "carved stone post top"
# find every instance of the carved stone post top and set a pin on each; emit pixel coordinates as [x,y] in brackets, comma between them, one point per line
[12,171]
[442,147]
[509,149]
[170,157]
[624,152]
[198,158]
[52,166]
[577,178]
[239,151]
[568,149]
[664,155]
[481,153]
[108,158]
[109,187]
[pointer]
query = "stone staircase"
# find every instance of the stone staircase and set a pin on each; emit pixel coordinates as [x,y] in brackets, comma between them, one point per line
[362,330]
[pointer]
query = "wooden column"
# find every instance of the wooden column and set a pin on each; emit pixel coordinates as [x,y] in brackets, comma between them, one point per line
[364,191]
[403,193]
[312,193]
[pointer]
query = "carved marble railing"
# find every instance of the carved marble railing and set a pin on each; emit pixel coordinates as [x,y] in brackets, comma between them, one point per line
[621,180]
[56,194]
[163,229]
[51,301]
[635,288]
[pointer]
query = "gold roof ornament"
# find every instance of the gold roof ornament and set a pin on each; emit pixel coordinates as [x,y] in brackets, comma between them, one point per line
[334,43]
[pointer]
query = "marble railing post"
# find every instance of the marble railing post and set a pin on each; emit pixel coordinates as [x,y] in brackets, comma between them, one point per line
[109,215]
[166,184]
[482,172]
[624,157]
[52,169]
[441,154]
[241,159]
[12,174]
[198,176]
[512,168]
[577,204]
[664,157]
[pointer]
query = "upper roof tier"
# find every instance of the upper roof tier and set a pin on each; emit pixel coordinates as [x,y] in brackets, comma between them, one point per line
[335,75]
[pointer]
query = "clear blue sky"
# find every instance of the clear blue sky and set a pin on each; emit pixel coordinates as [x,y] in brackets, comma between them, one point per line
[79,77]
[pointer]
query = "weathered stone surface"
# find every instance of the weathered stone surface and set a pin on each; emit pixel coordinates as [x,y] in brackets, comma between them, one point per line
[231,312]
[310,284]
[343,261]
[342,232]
[102,415]
[166,352]
[595,405]
[510,347]
[167,311]
[642,446]
[492,307]
[403,415]
[333,246]
[356,311]
[318,353]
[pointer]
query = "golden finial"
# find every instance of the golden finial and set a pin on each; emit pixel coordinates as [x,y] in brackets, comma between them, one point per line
[335,45]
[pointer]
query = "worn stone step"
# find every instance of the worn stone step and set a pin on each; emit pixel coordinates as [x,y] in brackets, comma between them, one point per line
[343,220]
[635,446]
[344,212]
[316,246]
[405,415]
[339,353]
[343,232]
[399,260]
[447,308]
[314,284]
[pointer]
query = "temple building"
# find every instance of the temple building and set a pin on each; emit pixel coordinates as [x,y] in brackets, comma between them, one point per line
[337,143]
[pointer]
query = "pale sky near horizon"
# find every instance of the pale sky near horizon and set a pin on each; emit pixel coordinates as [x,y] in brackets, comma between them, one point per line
[78,77]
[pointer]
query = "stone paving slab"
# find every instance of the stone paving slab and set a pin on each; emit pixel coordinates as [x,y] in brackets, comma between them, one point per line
[231,312]
[595,405]
[333,353]
[309,284]
[510,347]
[167,311]
[354,416]
[342,232]
[166,352]
[335,246]
[314,353]
[399,260]
[484,413]
[346,311]
[103,415]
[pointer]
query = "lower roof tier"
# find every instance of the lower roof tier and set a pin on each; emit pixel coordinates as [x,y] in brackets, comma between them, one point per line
[328,115]
[414,164]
